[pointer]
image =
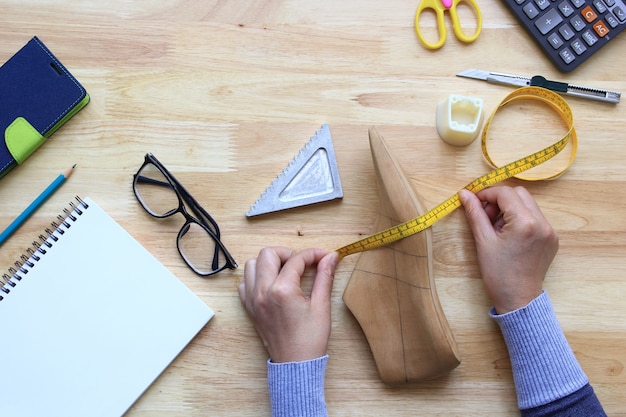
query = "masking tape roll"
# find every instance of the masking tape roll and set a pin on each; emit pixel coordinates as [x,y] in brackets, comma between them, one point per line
[459,119]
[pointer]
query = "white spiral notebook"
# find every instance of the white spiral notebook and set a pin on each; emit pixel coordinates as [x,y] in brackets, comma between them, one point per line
[89,319]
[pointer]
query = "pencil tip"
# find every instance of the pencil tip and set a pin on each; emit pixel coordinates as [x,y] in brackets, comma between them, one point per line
[69,171]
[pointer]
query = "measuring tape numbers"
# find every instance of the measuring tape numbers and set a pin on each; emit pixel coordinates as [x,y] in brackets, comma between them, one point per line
[507,171]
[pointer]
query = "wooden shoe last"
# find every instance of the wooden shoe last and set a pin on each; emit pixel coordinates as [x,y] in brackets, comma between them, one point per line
[392,291]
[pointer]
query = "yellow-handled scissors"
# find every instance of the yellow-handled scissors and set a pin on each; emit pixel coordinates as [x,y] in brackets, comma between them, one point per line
[439,7]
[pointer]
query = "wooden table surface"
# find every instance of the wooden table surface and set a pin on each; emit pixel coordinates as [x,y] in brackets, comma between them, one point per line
[226,92]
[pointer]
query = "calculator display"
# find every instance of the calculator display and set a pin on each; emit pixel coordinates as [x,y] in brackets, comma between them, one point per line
[570,31]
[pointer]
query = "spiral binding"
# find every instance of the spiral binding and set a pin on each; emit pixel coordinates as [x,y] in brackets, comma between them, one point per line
[32,255]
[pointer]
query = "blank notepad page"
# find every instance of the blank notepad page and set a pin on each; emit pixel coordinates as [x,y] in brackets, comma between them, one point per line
[92,323]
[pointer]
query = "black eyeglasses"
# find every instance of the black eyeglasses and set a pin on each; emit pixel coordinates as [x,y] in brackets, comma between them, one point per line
[198,242]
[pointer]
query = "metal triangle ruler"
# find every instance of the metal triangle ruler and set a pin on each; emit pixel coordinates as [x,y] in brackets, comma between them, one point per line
[311,177]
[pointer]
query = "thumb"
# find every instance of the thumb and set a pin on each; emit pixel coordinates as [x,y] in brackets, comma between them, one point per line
[476,216]
[324,277]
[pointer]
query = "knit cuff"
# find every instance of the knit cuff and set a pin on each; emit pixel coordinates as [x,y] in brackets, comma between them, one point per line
[297,388]
[544,366]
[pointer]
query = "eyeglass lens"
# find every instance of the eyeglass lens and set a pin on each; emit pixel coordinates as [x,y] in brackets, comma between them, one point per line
[199,249]
[155,191]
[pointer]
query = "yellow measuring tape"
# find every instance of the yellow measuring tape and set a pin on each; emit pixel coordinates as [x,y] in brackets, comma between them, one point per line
[512,169]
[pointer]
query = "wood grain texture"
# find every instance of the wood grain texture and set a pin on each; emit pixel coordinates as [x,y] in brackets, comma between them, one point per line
[226,92]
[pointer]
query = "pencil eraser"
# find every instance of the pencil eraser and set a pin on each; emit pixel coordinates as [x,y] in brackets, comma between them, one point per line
[459,119]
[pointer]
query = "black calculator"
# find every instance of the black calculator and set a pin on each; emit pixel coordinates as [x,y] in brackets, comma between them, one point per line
[570,31]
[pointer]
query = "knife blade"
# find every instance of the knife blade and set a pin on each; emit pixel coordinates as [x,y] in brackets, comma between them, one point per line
[591,93]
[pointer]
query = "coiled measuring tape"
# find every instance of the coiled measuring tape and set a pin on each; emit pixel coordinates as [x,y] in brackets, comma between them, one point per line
[507,171]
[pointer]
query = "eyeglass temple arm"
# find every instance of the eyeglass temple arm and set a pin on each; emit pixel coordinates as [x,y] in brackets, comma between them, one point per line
[194,206]
[201,215]
[141,178]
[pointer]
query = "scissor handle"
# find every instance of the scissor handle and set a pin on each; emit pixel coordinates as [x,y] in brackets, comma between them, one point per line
[456,24]
[441,27]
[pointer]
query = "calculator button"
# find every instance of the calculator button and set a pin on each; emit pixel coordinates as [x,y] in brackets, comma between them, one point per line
[600,7]
[578,23]
[567,56]
[567,32]
[610,3]
[611,20]
[566,9]
[548,21]
[531,11]
[578,3]
[589,14]
[578,47]
[589,37]
[542,4]
[600,28]
[619,13]
[555,40]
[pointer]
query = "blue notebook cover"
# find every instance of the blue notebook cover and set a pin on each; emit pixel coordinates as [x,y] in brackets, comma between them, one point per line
[37,96]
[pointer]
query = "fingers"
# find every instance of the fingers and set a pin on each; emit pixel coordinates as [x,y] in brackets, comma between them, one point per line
[508,198]
[280,266]
[529,202]
[477,217]
[296,264]
[268,265]
[517,207]
[497,206]
[510,208]
[323,283]
[249,273]
[258,277]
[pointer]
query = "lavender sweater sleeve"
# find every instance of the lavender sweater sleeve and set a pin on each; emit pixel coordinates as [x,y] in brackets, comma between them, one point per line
[548,378]
[297,388]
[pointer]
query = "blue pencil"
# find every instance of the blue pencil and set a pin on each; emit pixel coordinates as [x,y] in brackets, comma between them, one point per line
[36,204]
